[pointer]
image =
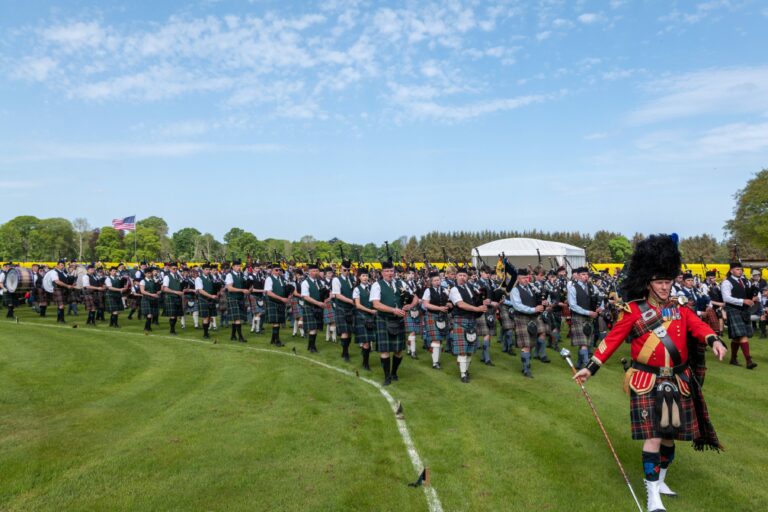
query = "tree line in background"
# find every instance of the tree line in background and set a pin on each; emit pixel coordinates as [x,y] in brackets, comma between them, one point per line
[27,238]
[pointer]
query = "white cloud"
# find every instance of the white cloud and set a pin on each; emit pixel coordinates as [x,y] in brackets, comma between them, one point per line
[596,136]
[541,36]
[726,91]
[734,138]
[18,185]
[76,35]
[431,110]
[127,150]
[589,18]
[35,69]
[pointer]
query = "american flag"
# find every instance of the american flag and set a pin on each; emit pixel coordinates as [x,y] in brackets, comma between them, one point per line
[126,224]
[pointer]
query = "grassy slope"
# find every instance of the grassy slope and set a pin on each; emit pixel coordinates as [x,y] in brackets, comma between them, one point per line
[94,419]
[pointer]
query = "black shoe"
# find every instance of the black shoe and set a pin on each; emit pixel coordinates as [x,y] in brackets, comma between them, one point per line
[345,358]
[279,343]
[735,362]
[394,377]
[465,379]
[489,363]
[232,338]
[367,368]
[751,365]
[436,366]
[173,333]
[527,375]
[413,355]
[205,336]
[545,359]
[387,381]
[242,340]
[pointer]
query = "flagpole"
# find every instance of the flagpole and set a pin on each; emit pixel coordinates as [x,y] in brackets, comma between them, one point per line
[135,236]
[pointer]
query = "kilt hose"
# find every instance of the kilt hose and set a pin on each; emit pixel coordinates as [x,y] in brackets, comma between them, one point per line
[236,307]
[59,296]
[172,305]
[207,307]
[275,312]
[113,302]
[431,333]
[578,338]
[524,340]
[313,317]
[739,323]
[296,308]
[150,306]
[642,412]
[459,343]
[345,318]
[413,324]
[362,333]
[507,323]
[329,315]
[386,342]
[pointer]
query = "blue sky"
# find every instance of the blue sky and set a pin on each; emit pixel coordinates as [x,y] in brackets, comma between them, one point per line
[371,120]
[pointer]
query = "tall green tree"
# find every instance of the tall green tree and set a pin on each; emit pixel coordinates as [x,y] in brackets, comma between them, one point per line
[749,226]
[183,243]
[620,248]
[109,246]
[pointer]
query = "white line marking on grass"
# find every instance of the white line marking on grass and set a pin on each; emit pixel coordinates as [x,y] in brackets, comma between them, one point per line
[433,501]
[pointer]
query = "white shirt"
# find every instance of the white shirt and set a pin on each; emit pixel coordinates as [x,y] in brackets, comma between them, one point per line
[48,280]
[198,283]
[376,289]
[228,280]
[455,295]
[305,287]
[356,292]
[727,290]
[108,282]
[166,281]
[268,284]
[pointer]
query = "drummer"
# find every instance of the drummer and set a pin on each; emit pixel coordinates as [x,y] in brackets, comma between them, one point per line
[9,297]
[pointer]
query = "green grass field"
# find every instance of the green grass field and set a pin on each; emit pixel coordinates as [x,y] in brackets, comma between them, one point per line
[105,419]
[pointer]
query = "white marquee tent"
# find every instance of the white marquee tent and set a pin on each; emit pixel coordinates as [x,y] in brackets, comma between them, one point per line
[522,252]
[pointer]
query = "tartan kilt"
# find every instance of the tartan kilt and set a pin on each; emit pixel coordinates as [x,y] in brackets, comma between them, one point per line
[386,342]
[521,330]
[150,306]
[59,296]
[459,344]
[507,323]
[296,309]
[42,297]
[114,302]
[207,307]
[172,305]
[413,324]
[345,319]
[98,299]
[710,318]
[275,312]
[642,410]
[313,320]
[329,315]
[738,325]
[9,299]
[482,327]
[363,335]
[543,325]
[253,302]
[236,308]
[132,301]
[578,338]
[223,300]
[431,332]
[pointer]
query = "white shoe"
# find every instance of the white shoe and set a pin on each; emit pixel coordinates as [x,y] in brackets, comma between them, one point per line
[663,487]
[654,498]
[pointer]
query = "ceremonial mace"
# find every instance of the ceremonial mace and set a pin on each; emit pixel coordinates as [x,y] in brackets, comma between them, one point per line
[566,354]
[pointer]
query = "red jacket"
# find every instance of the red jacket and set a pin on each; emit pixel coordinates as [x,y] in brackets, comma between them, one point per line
[647,348]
